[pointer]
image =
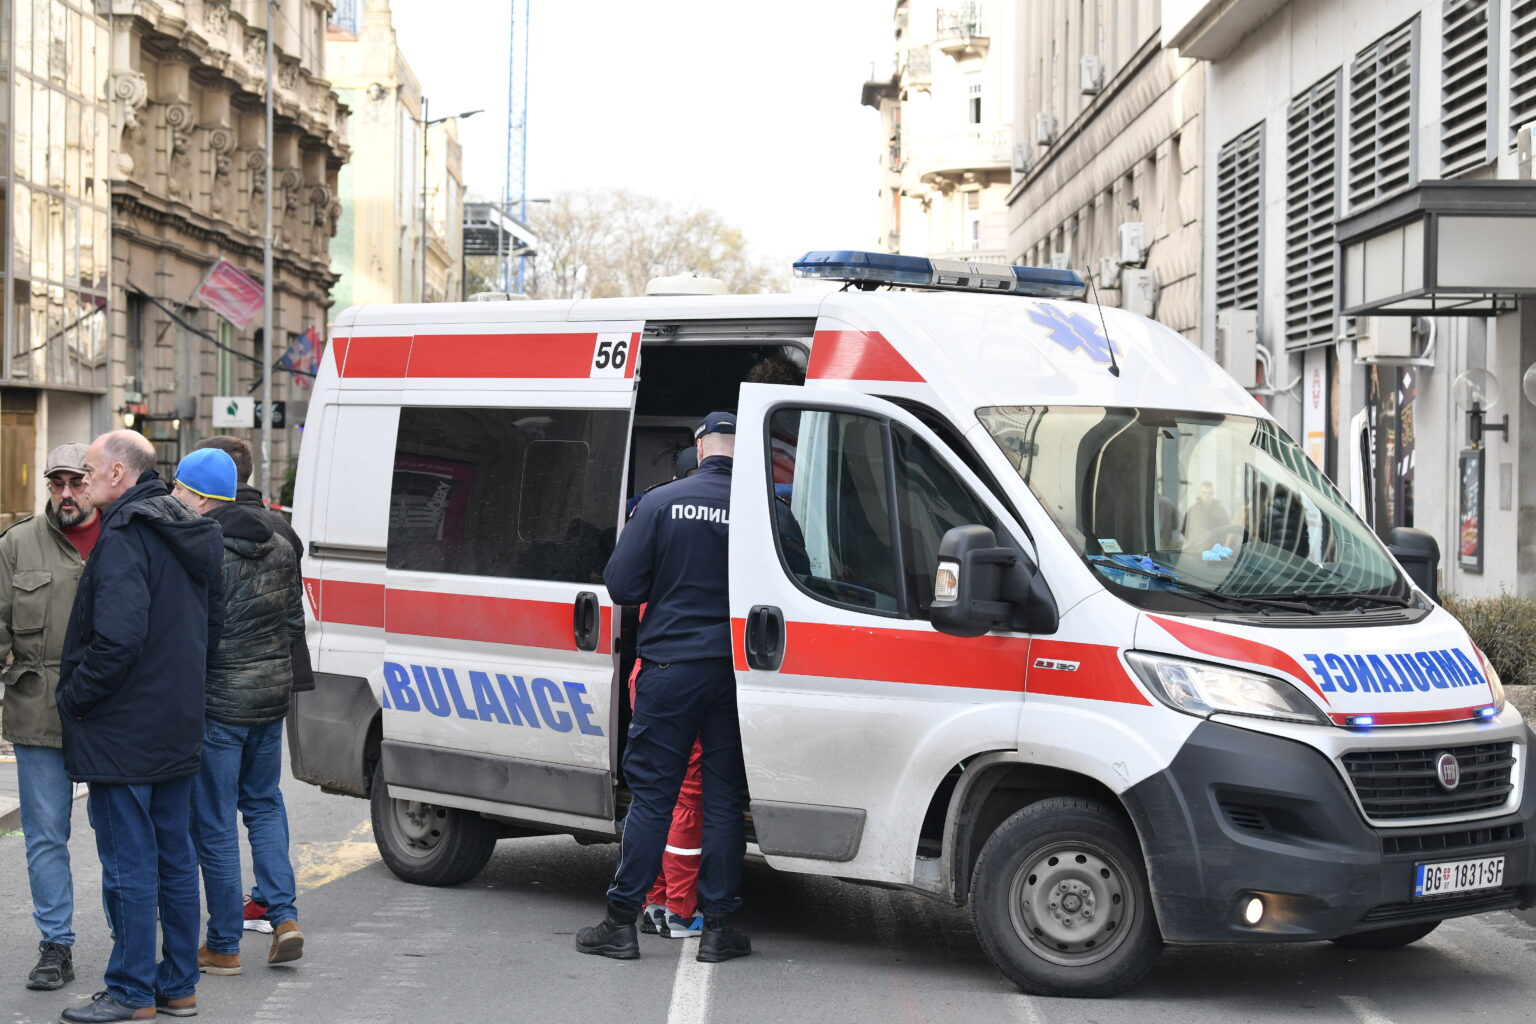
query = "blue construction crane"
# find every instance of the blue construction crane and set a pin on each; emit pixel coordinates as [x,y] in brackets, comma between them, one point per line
[515,194]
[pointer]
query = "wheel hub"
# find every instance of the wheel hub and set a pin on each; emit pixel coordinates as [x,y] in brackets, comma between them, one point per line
[418,824]
[1071,904]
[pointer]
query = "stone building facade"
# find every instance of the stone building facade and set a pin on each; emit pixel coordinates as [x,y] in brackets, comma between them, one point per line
[186,86]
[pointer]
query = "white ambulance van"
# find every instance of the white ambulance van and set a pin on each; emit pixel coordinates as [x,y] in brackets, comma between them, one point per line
[1086,644]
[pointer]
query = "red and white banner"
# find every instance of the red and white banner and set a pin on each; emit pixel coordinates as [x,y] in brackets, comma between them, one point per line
[232,293]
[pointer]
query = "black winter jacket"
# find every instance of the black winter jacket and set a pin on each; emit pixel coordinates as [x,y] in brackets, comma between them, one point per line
[250,673]
[148,610]
[303,671]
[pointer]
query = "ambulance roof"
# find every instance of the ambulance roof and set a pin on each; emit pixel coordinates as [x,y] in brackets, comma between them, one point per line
[974,349]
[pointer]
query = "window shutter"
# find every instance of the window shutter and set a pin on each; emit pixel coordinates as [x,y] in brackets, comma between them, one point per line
[1522,64]
[1381,117]
[1311,205]
[1464,58]
[1238,211]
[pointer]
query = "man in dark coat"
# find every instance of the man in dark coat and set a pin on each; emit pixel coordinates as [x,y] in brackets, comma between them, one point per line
[249,680]
[149,607]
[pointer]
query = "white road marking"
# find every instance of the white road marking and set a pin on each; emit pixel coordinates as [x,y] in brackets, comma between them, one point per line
[1365,1011]
[690,986]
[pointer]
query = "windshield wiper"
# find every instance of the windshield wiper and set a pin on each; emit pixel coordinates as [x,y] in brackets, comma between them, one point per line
[1196,590]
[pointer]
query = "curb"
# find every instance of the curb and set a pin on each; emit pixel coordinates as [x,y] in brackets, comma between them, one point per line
[10,815]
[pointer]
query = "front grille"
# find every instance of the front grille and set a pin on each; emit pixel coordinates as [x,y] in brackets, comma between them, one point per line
[1394,785]
[1458,905]
[1467,839]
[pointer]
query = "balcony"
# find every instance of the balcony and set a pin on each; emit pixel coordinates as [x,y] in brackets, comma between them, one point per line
[961,30]
[917,68]
[967,155]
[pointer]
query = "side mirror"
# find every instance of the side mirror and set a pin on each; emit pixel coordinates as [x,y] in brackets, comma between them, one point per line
[1419,555]
[980,587]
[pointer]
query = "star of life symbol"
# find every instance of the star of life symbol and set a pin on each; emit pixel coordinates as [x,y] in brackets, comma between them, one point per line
[1073,331]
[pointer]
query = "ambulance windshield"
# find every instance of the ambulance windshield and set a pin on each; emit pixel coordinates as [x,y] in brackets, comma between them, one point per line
[1183,509]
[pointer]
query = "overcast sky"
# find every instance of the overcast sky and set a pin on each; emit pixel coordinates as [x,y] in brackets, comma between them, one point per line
[749,109]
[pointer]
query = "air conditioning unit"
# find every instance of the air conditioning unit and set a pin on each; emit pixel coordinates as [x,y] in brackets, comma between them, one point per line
[1022,160]
[1059,261]
[1523,151]
[1090,74]
[1133,244]
[1138,291]
[1045,128]
[1383,337]
[1237,344]
[1109,272]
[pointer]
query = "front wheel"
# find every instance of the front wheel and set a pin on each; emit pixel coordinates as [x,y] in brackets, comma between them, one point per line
[425,844]
[1060,900]
[1387,938]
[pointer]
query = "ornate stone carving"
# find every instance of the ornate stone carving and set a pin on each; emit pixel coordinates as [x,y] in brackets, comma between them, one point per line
[178,118]
[288,76]
[129,91]
[216,17]
[221,141]
[256,49]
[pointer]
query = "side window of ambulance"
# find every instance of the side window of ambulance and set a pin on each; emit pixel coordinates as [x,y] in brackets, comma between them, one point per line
[833,519]
[524,493]
[933,500]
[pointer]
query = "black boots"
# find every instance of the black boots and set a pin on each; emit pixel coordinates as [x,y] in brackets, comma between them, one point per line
[54,968]
[721,942]
[613,937]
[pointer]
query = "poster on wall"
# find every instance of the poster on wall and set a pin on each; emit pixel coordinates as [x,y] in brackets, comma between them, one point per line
[1469,547]
[1314,407]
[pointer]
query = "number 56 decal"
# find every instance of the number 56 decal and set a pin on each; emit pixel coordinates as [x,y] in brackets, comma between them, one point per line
[613,356]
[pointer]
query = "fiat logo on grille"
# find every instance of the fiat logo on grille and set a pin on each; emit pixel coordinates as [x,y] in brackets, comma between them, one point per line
[1448,772]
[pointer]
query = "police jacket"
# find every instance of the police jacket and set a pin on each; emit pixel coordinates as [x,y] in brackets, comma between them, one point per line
[250,675]
[39,569]
[672,557]
[149,609]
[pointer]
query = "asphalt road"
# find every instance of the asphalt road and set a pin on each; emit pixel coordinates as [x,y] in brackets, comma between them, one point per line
[500,948]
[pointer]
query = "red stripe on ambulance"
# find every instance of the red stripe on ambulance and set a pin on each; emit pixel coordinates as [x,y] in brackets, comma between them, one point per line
[480,356]
[1234,648]
[897,656]
[858,355]
[1099,674]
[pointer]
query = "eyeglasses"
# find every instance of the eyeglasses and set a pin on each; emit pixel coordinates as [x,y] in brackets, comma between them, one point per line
[58,486]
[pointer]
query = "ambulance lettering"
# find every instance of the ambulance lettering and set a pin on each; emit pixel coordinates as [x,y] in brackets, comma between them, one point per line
[1416,671]
[489,697]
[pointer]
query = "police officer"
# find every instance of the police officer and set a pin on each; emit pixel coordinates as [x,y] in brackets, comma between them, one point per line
[672,556]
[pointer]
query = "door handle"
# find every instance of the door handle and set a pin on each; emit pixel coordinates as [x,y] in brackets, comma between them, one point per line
[586,621]
[765,638]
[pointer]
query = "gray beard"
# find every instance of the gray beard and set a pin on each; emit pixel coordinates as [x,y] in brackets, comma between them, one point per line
[74,518]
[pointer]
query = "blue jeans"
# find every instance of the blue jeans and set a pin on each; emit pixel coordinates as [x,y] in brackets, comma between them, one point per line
[242,768]
[47,799]
[674,704]
[147,866]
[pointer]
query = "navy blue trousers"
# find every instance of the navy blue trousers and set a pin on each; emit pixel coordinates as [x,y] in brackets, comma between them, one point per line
[674,703]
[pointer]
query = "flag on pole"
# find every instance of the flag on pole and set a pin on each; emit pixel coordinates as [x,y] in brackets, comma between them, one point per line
[302,357]
[232,293]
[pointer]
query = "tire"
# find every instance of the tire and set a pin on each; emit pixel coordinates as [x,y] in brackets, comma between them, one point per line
[1060,901]
[1388,938]
[425,844]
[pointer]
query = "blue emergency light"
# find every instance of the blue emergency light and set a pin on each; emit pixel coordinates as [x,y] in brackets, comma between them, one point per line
[869,269]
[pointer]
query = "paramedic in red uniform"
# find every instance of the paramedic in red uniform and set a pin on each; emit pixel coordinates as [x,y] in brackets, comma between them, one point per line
[672,557]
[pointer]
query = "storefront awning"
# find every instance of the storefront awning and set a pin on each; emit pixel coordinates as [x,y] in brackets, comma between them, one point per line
[1443,248]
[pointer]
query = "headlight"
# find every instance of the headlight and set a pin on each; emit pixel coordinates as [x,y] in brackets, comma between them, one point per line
[1197,688]
[1494,682]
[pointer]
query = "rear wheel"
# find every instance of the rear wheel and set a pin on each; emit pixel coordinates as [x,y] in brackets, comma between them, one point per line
[1388,938]
[1060,901]
[426,844]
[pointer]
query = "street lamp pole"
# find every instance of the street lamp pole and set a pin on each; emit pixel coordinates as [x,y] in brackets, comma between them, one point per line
[266,277]
[426,123]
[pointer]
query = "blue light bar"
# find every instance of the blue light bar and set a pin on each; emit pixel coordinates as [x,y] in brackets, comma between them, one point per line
[876,268]
[1487,712]
[1360,721]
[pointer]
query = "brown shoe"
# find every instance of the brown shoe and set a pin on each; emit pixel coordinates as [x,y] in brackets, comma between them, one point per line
[287,943]
[181,1006]
[217,963]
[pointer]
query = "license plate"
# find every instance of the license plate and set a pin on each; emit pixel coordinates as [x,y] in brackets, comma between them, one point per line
[1449,876]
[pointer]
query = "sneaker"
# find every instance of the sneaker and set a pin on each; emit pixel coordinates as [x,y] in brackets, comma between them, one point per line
[252,910]
[181,1006]
[721,942]
[261,925]
[611,939]
[210,962]
[682,927]
[287,943]
[105,1009]
[55,967]
[653,919]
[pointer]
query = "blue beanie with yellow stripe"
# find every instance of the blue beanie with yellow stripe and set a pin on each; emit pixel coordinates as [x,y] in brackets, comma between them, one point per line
[208,473]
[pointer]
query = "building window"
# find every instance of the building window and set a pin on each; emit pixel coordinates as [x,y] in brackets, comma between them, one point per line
[1522,65]
[1239,205]
[973,103]
[1465,127]
[1381,137]
[1311,206]
[225,382]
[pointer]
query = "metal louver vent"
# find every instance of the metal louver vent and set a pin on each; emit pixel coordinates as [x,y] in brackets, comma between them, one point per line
[1522,65]
[1381,94]
[1465,127]
[1238,208]
[1311,206]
